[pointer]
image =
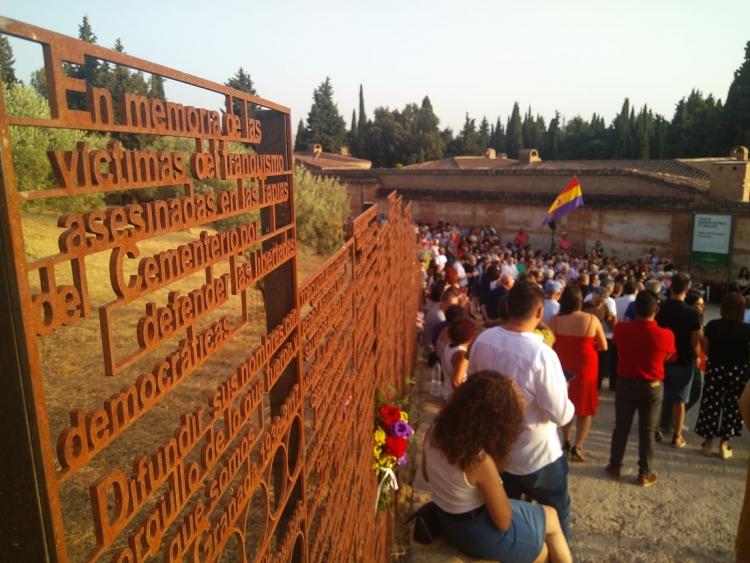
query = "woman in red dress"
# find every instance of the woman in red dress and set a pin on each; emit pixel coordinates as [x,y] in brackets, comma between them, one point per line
[579,337]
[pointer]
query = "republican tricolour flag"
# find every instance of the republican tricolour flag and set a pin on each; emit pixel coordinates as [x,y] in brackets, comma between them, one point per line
[569,199]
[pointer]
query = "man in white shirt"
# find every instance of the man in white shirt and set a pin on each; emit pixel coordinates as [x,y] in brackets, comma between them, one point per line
[441,260]
[623,302]
[509,267]
[552,301]
[536,465]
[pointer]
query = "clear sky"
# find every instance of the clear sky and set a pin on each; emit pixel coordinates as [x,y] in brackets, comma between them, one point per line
[575,56]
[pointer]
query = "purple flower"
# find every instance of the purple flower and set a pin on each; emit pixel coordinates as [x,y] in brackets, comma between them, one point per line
[402,430]
[402,460]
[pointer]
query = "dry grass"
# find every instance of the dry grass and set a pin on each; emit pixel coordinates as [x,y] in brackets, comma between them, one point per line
[73,374]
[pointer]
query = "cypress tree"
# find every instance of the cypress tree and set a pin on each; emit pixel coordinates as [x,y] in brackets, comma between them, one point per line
[737,108]
[642,140]
[552,141]
[353,141]
[7,62]
[483,136]
[499,144]
[362,123]
[622,132]
[300,141]
[514,135]
[469,138]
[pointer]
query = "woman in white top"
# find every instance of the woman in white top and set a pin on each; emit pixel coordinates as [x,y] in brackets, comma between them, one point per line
[464,452]
[455,359]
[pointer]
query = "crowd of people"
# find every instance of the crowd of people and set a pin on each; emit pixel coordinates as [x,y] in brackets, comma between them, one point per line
[525,340]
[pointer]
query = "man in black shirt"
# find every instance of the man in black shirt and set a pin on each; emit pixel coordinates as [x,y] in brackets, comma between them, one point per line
[684,322]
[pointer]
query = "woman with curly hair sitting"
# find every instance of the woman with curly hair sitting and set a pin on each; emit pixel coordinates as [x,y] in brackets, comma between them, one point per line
[465,451]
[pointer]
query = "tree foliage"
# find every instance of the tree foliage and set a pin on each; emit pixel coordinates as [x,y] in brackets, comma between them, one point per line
[323,207]
[7,62]
[514,132]
[736,118]
[324,122]
[32,169]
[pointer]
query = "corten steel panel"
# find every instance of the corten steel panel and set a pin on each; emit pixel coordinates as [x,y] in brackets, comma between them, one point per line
[170,392]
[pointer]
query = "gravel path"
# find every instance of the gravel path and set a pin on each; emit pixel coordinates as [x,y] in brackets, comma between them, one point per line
[689,514]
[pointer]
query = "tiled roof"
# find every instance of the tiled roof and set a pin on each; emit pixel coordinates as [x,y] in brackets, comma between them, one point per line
[693,174]
[463,163]
[330,161]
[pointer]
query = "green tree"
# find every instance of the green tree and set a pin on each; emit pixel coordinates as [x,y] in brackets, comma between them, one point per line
[514,134]
[300,140]
[642,137]
[85,33]
[622,133]
[736,112]
[467,141]
[322,209]
[352,135]
[429,140]
[658,139]
[30,145]
[324,122]
[552,141]
[156,87]
[241,81]
[39,82]
[693,131]
[7,62]
[498,142]
[483,135]
[386,138]
[359,148]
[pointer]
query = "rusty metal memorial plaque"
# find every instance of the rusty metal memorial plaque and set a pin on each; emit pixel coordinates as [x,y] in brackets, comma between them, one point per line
[169,392]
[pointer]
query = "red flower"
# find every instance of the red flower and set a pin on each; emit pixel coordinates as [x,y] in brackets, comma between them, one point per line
[389,415]
[395,446]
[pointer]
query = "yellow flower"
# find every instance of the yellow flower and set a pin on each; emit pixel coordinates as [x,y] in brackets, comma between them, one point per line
[405,416]
[376,451]
[388,461]
[379,436]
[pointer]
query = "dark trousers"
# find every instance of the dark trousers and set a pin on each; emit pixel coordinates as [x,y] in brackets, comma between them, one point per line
[631,396]
[548,485]
[608,365]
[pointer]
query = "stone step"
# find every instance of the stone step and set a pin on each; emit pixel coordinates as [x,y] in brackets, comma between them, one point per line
[438,551]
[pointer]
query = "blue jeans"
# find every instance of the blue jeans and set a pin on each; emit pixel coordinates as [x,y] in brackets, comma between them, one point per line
[548,485]
[478,536]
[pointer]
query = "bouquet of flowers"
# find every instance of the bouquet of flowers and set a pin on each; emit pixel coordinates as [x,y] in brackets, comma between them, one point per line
[392,432]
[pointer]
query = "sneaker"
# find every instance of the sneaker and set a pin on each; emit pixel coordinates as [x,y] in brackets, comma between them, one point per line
[678,442]
[725,452]
[646,479]
[613,471]
[658,436]
[707,448]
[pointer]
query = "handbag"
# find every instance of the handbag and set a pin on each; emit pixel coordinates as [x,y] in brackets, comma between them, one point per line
[426,523]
